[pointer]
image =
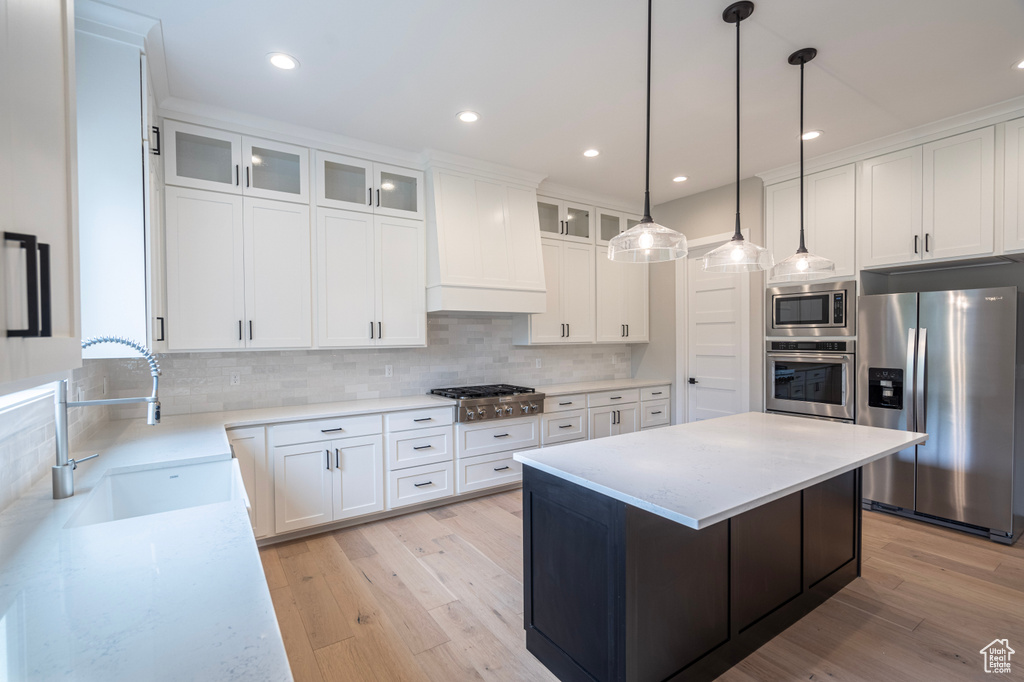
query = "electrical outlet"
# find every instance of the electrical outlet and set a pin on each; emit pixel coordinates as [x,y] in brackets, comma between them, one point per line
[538,363]
[389,370]
[236,378]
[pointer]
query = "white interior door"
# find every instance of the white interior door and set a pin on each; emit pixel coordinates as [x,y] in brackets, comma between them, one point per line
[346,278]
[401,282]
[717,342]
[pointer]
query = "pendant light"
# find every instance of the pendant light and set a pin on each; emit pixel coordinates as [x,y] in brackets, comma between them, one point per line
[803,266]
[737,255]
[647,242]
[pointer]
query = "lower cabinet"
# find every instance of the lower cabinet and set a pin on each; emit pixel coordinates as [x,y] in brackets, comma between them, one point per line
[249,447]
[563,427]
[654,414]
[327,481]
[420,484]
[614,420]
[487,471]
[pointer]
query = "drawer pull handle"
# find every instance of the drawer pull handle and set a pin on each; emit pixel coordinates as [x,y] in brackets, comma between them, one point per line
[565,426]
[420,485]
[501,468]
[658,412]
[424,419]
[501,435]
[656,393]
[423,447]
[331,430]
[568,403]
[616,397]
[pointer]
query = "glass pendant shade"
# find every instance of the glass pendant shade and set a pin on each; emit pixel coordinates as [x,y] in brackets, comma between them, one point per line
[647,242]
[737,255]
[801,267]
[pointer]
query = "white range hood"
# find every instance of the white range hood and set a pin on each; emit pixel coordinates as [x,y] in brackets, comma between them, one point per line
[483,238]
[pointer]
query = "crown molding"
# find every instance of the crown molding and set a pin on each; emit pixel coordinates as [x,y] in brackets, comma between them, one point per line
[947,127]
[558,191]
[432,158]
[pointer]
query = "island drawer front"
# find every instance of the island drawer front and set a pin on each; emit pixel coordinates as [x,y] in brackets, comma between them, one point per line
[605,398]
[325,429]
[655,393]
[561,403]
[562,427]
[487,471]
[420,484]
[654,413]
[419,419]
[422,446]
[518,434]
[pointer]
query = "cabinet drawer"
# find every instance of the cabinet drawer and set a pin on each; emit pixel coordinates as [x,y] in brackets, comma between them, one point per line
[487,471]
[562,403]
[604,398]
[421,446]
[420,484]
[418,419]
[654,413]
[562,427]
[325,429]
[655,393]
[514,434]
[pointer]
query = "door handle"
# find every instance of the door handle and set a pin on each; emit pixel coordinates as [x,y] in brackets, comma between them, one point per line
[422,447]
[156,150]
[331,430]
[369,199]
[236,175]
[908,382]
[693,381]
[922,380]
[45,326]
[501,435]
[337,461]
[926,235]
[327,455]
[656,412]
[250,330]
[565,426]
[247,176]
[378,197]
[371,329]
[163,336]
[239,330]
[420,485]
[424,419]
[627,331]
[380,332]
[501,468]
[915,243]
[568,330]
[30,246]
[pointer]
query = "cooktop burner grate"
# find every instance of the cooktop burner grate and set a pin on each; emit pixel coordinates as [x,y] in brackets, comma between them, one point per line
[483,391]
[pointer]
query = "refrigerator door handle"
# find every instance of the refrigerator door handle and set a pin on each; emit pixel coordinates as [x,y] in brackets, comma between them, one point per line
[908,383]
[921,383]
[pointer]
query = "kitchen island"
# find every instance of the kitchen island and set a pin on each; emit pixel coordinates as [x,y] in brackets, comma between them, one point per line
[674,553]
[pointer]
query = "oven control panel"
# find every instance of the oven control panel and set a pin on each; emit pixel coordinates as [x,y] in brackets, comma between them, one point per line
[833,346]
[885,388]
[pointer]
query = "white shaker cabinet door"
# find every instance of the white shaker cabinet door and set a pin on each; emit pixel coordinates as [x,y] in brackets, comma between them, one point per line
[627,419]
[830,218]
[249,447]
[959,194]
[277,275]
[578,292]
[202,158]
[637,303]
[401,299]
[1013,188]
[274,170]
[303,485]
[611,283]
[358,486]
[205,282]
[601,419]
[344,182]
[889,211]
[549,326]
[398,192]
[346,277]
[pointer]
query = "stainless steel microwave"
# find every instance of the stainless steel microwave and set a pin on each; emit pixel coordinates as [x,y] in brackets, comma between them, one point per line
[820,309]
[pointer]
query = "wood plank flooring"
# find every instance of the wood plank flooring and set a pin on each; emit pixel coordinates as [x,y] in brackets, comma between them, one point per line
[438,596]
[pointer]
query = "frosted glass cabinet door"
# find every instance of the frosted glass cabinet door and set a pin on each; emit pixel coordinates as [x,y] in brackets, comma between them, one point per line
[344,182]
[579,223]
[398,192]
[203,158]
[609,225]
[275,171]
[550,213]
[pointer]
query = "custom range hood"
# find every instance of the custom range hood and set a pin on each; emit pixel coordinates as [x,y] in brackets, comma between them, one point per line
[483,237]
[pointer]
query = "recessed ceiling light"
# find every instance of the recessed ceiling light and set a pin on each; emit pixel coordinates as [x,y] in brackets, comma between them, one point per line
[1020,65]
[283,61]
[679,178]
[591,153]
[469,116]
[811,135]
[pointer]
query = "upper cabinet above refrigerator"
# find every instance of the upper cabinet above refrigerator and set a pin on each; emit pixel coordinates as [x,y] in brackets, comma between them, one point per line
[357,185]
[206,158]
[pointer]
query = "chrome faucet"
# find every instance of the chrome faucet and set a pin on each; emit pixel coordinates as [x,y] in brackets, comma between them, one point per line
[63,476]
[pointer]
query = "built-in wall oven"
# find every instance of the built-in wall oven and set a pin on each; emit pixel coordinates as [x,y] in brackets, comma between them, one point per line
[811,378]
[816,310]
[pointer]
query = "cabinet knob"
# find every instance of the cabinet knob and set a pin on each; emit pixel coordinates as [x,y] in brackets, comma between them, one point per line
[692,380]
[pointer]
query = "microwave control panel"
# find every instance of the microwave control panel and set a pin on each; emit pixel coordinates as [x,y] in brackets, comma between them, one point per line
[885,388]
[839,308]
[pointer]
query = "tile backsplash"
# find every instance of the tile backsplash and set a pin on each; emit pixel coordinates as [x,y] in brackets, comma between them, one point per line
[462,349]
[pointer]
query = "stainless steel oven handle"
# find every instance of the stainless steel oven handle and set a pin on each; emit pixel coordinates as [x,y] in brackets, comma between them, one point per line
[813,357]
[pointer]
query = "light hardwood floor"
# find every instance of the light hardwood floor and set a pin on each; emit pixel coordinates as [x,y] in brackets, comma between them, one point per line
[437,595]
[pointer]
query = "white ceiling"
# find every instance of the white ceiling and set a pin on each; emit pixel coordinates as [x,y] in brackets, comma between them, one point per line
[551,78]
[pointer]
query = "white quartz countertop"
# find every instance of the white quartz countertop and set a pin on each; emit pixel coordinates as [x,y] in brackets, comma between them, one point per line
[608,385]
[700,473]
[179,595]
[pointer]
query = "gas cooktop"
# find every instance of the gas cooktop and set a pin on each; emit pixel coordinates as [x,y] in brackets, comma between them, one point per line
[493,401]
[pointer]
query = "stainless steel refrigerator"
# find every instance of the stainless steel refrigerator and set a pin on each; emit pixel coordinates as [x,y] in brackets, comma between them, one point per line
[946,363]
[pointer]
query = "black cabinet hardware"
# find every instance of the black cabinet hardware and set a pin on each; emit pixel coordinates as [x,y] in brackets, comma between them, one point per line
[337,460]
[501,468]
[236,174]
[622,332]
[616,397]
[371,330]
[627,330]
[567,403]
[380,332]
[327,456]
[656,393]
[420,485]
[156,150]
[239,330]
[501,435]
[693,381]
[250,330]
[45,326]
[369,200]
[926,249]
[331,430]
[915,243]
[163,336]
[657,412]
[37,285]
[424,419]
[246,176]
[378,197]
[565,426]
[422,447]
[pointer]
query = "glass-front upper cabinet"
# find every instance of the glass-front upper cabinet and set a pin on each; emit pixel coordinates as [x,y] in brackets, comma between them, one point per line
[612,223]
[202,158]
[566,220]
[275,171]
[356,185]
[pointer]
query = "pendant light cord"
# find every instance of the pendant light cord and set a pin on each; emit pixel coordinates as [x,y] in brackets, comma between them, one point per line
[803,247]
[738,236]
[647,179]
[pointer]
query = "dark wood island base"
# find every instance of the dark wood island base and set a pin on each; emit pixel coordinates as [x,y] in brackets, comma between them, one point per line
[614,592]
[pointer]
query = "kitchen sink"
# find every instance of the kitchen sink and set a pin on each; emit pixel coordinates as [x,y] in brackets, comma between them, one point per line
[154,491]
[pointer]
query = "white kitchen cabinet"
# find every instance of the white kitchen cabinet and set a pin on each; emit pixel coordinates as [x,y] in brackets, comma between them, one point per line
[325,481]
[889,209]
[277,275]
[420,484]
[1013,186]
[563,427]
[348,183]
[569,317]
[613,420]
[238,272]
[249,447]
[222,161]
[621,300]
[959,195]
[487,471]
[205,272]
[568,220]
[38,183]
[371,281]
[830,210]
[611,224]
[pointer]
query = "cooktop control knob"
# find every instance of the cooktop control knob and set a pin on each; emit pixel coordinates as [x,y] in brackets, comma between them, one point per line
[525,408]
[508,410]
[497,410]
[534,407]
[471,415]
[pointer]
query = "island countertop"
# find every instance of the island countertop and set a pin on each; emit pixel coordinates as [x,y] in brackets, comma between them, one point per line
[700,473]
